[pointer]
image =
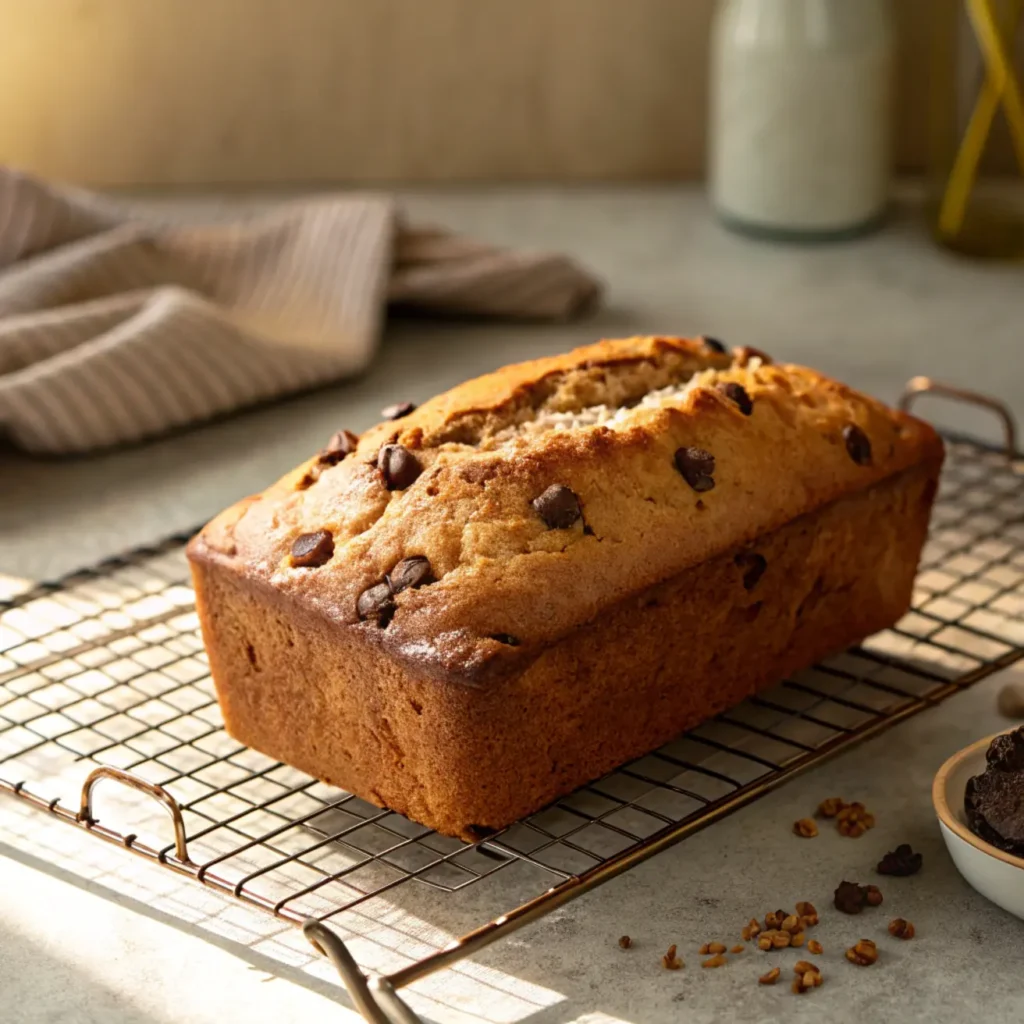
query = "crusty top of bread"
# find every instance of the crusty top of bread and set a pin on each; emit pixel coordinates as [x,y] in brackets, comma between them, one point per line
[626,426]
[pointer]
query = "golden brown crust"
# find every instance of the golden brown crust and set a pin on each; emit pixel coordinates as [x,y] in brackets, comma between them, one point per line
[502,574]
[460,759]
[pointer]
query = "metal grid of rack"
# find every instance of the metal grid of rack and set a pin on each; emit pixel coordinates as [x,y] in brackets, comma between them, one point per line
[103,676]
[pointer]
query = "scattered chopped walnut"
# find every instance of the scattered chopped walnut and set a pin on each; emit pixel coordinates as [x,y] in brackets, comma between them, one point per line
[716,947]
[854,820]
[791,924]
[872,896]
[803,966]
[705,949]
[805,982]
[781,940]
[716,961]
[797,939]
[815,947]
[901,929]
[774,919]
[754,927]
[807,914]
[765,941]
[805,828]
[771,977]
[670,961]
[737,948]
[831,807]
[625,942]
[863,954]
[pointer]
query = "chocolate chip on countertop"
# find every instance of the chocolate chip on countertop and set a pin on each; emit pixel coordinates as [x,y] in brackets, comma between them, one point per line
[342,443]
[398,466]
[376,604]
[410,572]
[697,467]
[900,862]
[714,344]
[753,566]
[849,898]
[558,507]
[857,444]
[397,411]
[737,393]
[312,549]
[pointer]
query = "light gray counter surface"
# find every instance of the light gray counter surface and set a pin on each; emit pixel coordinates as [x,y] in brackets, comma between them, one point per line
[873,312]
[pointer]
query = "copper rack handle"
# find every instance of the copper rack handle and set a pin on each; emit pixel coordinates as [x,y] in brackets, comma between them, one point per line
[361,990]
[158,793]
[925,385]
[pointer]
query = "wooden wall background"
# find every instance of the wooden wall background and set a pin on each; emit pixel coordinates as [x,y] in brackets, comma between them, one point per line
[287,91]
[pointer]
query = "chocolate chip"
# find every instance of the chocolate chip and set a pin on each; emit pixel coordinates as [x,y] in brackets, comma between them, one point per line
[753,566]
[857,444]
[398,466]
[697,467]
[312,549]
[397,411]
[558,507]
[410,573]
[737,393]
[714,344]
[900,862]
[506,638]
[849,898]
[342,443]
[376,604]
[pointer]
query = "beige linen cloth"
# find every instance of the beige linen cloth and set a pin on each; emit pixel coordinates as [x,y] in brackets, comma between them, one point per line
[116,326]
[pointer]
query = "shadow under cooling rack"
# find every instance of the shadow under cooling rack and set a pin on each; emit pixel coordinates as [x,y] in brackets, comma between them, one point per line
[107,668]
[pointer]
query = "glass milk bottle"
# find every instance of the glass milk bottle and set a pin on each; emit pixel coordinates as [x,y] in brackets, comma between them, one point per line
[801,98]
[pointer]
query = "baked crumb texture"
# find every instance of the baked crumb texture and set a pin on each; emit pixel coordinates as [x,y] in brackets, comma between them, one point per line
[554,568]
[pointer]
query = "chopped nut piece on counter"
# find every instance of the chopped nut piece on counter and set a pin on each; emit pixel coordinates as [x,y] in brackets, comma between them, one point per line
[771,977]
[774,919]
[752,929]
[625,942]
[716,961]
[705,949]
[805,982]
[854,820]
[737,948]
[831,807]
[803,966]
[805,828]
[797,939]
[815,947]
[790,924]
[781,940]
[901,929]
[765,941]
[863,954]
[900,862]
[670,961]
[807,914]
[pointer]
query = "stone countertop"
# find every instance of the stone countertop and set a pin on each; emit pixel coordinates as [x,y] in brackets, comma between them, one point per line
[89,935]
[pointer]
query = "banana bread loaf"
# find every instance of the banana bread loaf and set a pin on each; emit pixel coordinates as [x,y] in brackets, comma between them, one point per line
[483,603]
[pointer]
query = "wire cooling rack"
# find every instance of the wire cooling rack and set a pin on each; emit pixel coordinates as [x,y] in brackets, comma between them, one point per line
[103,677]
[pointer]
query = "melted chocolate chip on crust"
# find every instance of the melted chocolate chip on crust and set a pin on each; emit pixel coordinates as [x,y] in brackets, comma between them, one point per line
[506,638]
[398,466]
[397,411]
[857,444]
[714,344]
[310,550]
[697,468]
[737,393]
[558,506]
[342,443]
[376,604]
[753,566]
[410,573]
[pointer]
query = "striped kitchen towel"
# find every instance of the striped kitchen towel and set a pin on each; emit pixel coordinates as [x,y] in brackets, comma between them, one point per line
[117,324]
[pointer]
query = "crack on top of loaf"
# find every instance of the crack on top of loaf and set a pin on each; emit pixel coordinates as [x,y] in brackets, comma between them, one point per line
[615,384]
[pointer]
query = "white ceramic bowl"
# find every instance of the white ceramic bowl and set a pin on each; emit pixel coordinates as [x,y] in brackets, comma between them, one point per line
[998,876]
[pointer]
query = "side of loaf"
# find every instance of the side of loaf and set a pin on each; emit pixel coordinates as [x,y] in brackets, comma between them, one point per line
[544,572]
